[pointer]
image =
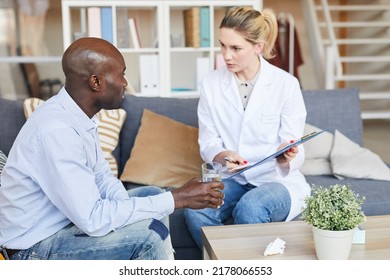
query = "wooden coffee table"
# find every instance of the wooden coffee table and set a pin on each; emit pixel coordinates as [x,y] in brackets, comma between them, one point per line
[235,242]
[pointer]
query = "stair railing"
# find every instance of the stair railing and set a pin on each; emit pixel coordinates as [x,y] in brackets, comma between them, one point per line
[333,64]
[315,38]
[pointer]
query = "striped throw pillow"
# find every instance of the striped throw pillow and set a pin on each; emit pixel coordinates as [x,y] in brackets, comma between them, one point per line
[109,128]
[3,159]
[30,104]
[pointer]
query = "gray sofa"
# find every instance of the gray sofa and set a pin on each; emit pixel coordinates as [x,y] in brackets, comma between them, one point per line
[329,110]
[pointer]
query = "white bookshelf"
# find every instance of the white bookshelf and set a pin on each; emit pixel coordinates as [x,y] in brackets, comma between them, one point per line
[157,21]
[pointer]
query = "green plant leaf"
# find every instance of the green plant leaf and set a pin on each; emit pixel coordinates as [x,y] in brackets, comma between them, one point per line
[335,207]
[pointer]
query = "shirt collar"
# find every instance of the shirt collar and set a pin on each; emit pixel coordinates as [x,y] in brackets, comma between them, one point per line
[250,83]
[75,111]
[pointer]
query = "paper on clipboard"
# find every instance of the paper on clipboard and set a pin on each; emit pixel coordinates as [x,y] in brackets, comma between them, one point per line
[302,140]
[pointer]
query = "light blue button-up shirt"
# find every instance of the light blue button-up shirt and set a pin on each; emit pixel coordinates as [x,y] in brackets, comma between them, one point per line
[56,175]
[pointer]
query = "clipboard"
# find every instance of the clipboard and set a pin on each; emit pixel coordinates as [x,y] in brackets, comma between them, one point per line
[302,140]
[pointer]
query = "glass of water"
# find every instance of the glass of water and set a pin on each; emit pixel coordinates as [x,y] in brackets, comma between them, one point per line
[211,171]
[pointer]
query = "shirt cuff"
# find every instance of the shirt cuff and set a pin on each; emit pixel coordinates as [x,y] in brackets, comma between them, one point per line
[283,170]
[166,202]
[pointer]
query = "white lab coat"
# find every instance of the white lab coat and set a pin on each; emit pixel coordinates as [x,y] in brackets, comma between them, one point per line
[275,114]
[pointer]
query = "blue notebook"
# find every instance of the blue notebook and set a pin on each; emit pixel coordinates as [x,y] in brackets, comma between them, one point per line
[106,22]
[278,153]
[204,15]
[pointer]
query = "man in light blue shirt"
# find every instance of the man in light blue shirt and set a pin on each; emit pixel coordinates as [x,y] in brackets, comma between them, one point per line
[59,198]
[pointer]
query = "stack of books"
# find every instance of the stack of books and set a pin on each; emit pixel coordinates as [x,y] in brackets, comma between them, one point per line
[197,27]
[100,23]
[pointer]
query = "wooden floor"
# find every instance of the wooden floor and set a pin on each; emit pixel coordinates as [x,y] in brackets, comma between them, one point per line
[376,137]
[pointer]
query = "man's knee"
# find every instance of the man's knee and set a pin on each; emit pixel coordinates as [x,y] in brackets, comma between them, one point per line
[159,228]
[162,242]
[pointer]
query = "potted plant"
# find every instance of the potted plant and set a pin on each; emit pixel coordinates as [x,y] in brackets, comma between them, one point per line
[334,212]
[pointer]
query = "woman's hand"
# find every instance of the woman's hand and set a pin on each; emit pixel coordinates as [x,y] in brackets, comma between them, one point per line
[287,156]
[232,160]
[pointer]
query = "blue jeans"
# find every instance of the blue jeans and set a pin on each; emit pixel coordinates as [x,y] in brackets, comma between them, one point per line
[135,241]
[247,204]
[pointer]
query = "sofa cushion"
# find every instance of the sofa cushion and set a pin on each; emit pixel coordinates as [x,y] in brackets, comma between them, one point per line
[165,153]
[31,104]
[376,192]
[109,127]
[184,244]
[12,120]
[335,109]
[337,155]
[350,160]
[178,109]
[317,152]
[3,159]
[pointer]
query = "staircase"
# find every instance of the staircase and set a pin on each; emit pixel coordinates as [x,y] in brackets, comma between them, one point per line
[350,42]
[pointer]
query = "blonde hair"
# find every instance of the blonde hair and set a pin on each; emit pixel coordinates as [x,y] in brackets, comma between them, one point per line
[254,26]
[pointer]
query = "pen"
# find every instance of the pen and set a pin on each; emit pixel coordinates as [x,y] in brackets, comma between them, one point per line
[231,160]
[234,161]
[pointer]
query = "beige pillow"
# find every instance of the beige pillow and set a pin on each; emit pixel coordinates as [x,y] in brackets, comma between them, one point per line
[165,153]
[348,159]
[317,152]
[109,127]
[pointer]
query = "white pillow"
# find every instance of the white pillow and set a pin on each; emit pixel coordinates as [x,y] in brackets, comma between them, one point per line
[348,159]
[317,152]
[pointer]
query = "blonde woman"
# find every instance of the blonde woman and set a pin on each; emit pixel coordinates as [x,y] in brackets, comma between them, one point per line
[247,111]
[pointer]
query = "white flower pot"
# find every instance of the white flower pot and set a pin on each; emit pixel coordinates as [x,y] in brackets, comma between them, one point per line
[332,245]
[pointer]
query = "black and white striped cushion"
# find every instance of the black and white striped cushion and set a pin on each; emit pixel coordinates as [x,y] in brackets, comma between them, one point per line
[3,159]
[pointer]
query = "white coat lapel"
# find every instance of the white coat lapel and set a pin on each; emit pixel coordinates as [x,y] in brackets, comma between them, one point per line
[230,91]
[261,91]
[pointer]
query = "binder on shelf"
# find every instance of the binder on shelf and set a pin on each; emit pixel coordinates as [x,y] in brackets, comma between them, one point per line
[205,27]
[134,33]
[192,27]
[94,22]
[149,74]
[106,22]
[202,68]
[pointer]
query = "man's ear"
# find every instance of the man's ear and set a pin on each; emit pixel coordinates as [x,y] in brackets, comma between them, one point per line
[94,82]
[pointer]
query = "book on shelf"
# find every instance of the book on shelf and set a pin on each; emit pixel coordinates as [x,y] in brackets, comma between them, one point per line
[106,22]
[192,27]
[94,22]
[149,74]
[134,33]
[204,27]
